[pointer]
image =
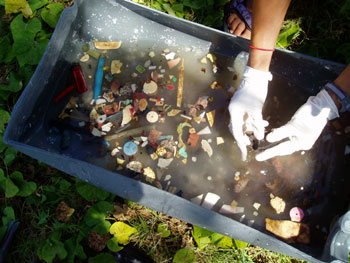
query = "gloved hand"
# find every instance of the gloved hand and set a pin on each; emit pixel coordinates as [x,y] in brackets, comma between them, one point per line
[304,128]
[246,106]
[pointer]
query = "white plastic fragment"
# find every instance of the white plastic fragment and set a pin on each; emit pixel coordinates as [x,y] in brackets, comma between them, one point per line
[210,200]
[210,140]
[242,218]
[135,166]
[170,55]
[194,159]
[197,199]
[219,140]
[228,209]
[186,117]
[204,131]
[231,69]
[100,101]
[96,132]
[151,54]
[107,127]
[167,177]
[255,213]
[256,206]
[126,115]
[147,64]
[101,119]
[85,58]
[207,148]
[200,118]
[115,151]
[209,178]
[163,163]
[133,87]
[251,222]
[81,124]
[144,138]
[144,144]
[152,67]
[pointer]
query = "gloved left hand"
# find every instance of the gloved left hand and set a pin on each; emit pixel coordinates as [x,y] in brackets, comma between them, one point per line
[303,129]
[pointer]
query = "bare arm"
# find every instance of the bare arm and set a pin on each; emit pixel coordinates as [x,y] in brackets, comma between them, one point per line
[268,16]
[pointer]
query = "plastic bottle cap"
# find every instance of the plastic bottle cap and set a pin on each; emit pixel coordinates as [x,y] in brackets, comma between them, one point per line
[130,148]
[150,88]
[152,117]
[296,214]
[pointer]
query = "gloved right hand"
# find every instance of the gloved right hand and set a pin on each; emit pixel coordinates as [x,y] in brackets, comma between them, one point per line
[246,108]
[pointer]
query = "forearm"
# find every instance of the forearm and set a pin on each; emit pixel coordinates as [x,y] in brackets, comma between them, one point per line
[343,82]
[268,16]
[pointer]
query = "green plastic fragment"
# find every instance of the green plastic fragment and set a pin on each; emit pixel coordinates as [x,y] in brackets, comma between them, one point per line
[93,53]
[174,79]
[140,69]
[85,47]
[127,102]
[183,152]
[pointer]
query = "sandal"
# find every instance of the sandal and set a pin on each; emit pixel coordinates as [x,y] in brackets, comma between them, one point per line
[238,7]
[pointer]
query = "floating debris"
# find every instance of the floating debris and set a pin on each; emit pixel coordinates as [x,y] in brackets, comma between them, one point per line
[99,77]
[278,204]
[167,177]
[211,57]
[173,63]
[290,231]
[140,69]
[85,58]
[296,214]
[182,152]
[204,60]
[204,131]
[163,163]
[241,184]
[116,66]
[107,45]
[234,203]
[181,84]
[170,55]
[135,166]
[197,200]
[193,140]
[215,85]
[210,200]
[186,117]
[151,54]
[150,88]
[149,174]
[127,116]
[256,206]
[152,117]
[115,151]
[154,135]
[219,140]
[173,112]
[130,148]
[228,209]
[211,117]
[93,53]
[194,159]
[180,131]
[96,132]
[207,148]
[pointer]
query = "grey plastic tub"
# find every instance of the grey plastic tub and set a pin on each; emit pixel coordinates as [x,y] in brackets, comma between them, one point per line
[87,20]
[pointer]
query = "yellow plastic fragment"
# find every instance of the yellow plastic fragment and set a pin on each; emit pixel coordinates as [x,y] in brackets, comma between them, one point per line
[107,45]
[211,117]
[115,66]
[211,57]
[181,84]
[173,112]
[204,60]
[120,161]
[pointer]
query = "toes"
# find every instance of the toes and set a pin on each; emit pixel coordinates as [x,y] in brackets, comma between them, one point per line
[239,29]
[231,18]
[246,34]
[235,24]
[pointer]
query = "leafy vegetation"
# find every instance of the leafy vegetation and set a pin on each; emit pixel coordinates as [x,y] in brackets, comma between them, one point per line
[67,220]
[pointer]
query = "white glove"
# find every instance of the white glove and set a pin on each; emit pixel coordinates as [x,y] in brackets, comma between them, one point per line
[246,106]
[303,129]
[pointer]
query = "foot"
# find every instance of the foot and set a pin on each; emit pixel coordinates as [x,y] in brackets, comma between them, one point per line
[237,26]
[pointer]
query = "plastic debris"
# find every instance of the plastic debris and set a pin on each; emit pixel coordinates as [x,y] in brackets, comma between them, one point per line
[215,85]
[163,163]
[107,127]
[199,118]
[101,119]
[207,148]
[85,58]
[219,140]
[288,230]
[181,84]
[204,60]
[116,66]
[241,184]
[130,148]
[173,63]
[182,152]
[152,117]
[180,131]
[296,214]
[167,177]
[255,213]
[211,57]
[107,45]
[197,199]
[99,77]
[96,132]
[93,53]
[193,140]
[228,209]
[186,117]
[135,166]
[151,54]
[115,151]
[149,174]
[234,203]
[211,117]
[150,88]
[140,69]
[210,200]
[278,204]
[170,55]
[256,206]
[127,116]
[204,131]
[154,135]
[194,159]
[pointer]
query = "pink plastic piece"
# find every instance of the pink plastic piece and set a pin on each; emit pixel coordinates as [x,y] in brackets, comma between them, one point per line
[296,214]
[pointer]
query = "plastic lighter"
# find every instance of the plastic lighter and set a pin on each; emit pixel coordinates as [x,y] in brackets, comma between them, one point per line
[79,84]
[99,77]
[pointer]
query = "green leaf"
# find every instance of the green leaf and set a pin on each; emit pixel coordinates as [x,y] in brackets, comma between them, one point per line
[7,185]
[2,2]
[345,9]
[15,6]
[240,244]
[15,84]
[51,248]
[221,240]
[289,31]
[9,215]
[163,230]
[36,52]
[52,13]
[3,230]
[43,34]
[113,246]
[96,215]
[74,249]
[195,4]
[4,119]
[3,146]
[168,8]
[90,192]
[122,232]
[25,188]
[201,236]
[10,156]
[5,47]
[103,257]
[36,4]
[184,255]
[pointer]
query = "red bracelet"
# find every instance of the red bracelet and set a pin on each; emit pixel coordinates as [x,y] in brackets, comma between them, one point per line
[261,49]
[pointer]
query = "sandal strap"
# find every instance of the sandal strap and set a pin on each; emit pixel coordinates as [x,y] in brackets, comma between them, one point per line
[240,7]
